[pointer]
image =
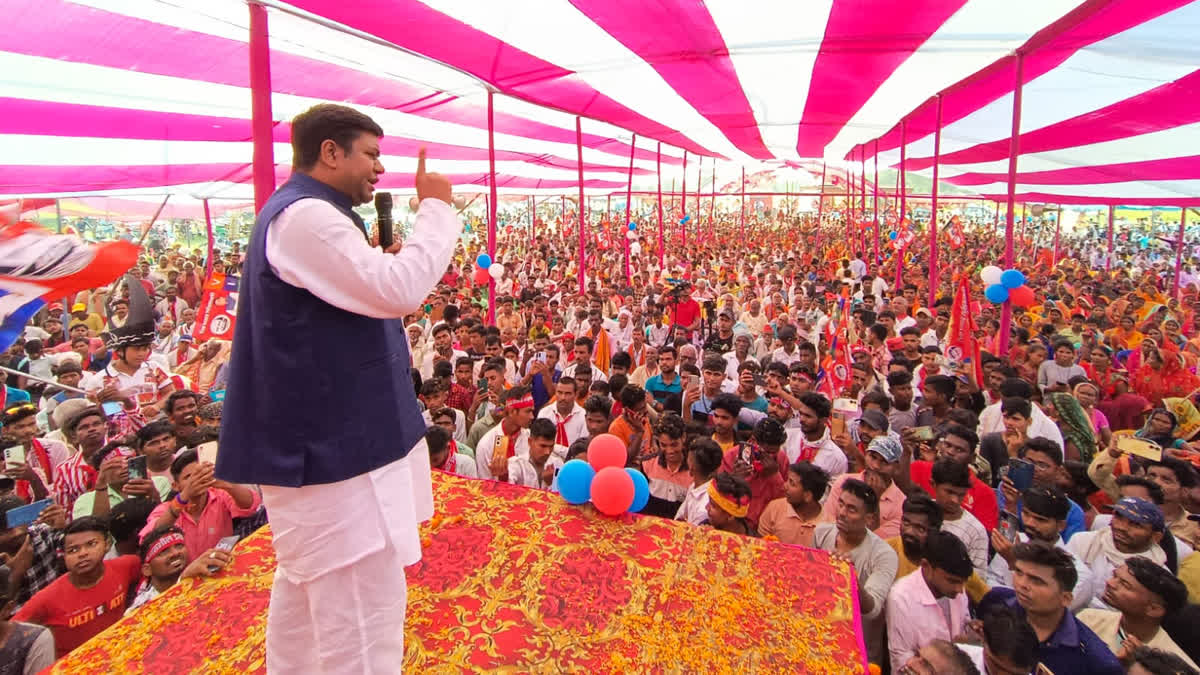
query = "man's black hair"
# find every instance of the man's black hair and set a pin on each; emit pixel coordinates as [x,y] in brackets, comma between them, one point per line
[817,403]
[182,460]
[437,438]
[73,421]
[86,524]
[630,395]
[153,430]
[813,478]
[1014,405]
[1058,560]
[919,503]
[598,404]
[705,454]
[543,428]
[177,396]
[946,552]
[128,518]
[1009,636]
[1159,581]
[1046,502]
[864,492]
[621,360]
[949,472]
[730,403]
[327,121]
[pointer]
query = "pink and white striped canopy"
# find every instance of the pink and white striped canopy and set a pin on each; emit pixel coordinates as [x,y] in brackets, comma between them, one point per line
[133,97]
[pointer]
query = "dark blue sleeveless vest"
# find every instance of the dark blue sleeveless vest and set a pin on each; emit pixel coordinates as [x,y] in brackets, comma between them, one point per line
[316,394]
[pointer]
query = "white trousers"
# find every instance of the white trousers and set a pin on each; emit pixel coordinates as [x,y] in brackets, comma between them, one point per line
[350,620]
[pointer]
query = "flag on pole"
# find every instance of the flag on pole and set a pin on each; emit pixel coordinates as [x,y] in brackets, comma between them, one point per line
[217,314]
[962,346]
[37,267]
[836,366]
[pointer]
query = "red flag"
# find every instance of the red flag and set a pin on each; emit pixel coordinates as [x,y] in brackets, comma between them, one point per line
[962,347]
[837,364]
[217,313]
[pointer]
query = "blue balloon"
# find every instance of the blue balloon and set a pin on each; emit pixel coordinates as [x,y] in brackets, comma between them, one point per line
[633,226]
[1011,279]
[892,235]
[685,219]
[575,481]
[641,489]
[996,294]
[484,261]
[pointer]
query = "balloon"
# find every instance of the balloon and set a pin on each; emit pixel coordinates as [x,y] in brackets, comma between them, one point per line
[575,481]
[1021,296]
[641,489]
[685,219]
[612,490]
[631,235]
[996,294]
[413,203]
[1011,279]
[633,226]
[990,275]
[459,201]
[484,261]
[892,235]
[481,276]
[496,270]
[607,450]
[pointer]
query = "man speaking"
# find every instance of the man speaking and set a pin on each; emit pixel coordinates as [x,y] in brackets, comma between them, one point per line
[320,407]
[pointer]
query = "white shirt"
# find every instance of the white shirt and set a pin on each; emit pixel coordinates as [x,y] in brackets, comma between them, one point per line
[694,508]
[780,355]
[142,386]
[998,574]
[311,245]
[858,268]
[487,445]
[427,362]
[574,424]
[597,374]
[829,456]
[992,421]
[460,424]
[521,471]
[972,534]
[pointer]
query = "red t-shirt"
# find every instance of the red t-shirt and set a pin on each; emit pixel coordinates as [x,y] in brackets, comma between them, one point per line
[687,312]
[73,615]
[980,499]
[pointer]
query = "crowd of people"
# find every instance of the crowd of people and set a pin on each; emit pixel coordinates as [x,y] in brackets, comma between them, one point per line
[995,525]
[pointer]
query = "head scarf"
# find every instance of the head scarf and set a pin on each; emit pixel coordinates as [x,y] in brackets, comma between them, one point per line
[1073,423]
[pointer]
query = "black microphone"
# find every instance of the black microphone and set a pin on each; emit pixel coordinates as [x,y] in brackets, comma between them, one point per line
[383,207]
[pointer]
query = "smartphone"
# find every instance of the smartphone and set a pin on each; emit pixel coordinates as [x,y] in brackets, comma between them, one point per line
[14,455]
[1140,447]
[225,544]
[1009,526]
[207,452]
[137,467]
[1020,472]
[837,424]
[540,356]
[24,515]
[924,434]
[111,408]
[481,384]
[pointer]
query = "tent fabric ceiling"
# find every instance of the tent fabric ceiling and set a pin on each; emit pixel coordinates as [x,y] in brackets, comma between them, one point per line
[128,97]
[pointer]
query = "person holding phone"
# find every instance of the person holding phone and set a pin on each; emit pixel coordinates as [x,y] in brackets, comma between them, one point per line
[114,484]
[1044,459]
[165,562]
[203,507]
[36,472]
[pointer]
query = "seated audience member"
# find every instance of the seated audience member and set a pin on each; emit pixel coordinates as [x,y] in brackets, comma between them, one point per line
[1142,593]
[728,501]
[433,395]
[91,596]
[929,604]
[444,454]
[760,461]
[940,658]
[1048,471]
[507,439]
[35,476]
[881,461]
[85,431]
[25,648]
[793,517]
[951,481]
[874,561]
[31,572]
[921,515]
[1008,646]
[181,408]
[1136,529]
[203,507]
[539,467]
[704,461]
[566,413]
[956,443]
[1043,577]
[165,561]
[667,470]
[597,415]
[157,442]
[113,484]
[1042,519]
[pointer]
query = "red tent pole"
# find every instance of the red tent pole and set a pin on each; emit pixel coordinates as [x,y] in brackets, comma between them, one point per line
[1014,151]
[699,175]
[208,226]
[658,170]
[532,220]
[849,209]
[1108,263]
[628,203]
[743,216]
[875,202]
[493,204]
[683,207]
[712,202]
[862,212]
[582,206]
[1057,233]
[262,125]
[821,198]
[903,205]
[1178,251]
[933,230]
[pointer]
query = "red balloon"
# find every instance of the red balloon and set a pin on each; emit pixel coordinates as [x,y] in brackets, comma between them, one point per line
[481,276]
[607,450]
[612,490]
[1021,296]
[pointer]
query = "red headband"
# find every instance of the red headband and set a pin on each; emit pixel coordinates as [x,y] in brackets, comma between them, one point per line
[526,402]
[165,542]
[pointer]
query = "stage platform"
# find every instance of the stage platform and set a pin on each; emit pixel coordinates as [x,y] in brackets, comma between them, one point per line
[515,580]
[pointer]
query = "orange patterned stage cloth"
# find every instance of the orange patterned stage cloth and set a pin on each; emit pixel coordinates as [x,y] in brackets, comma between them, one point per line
[516,580]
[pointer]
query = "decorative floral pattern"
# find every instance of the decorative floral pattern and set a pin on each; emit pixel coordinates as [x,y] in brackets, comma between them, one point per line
[516,580]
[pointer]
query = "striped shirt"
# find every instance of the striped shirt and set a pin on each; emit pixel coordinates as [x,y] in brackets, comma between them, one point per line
[74,477]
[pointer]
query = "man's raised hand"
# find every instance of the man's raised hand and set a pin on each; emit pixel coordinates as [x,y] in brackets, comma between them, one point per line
[431,184]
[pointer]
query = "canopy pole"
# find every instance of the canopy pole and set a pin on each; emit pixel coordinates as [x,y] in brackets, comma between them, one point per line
[658,170]
[1108,259]
[712,201]
[1014,151]
[57,214]
[208,226]
[532,220]
[742,218]
[862,212]
[1178,251]
[699,238]
[875,204]
[821,199]
[493,205]
[683,206]
[849,209]
[628,201]
[933,209]
[582,206]
[903,206]
[262,126]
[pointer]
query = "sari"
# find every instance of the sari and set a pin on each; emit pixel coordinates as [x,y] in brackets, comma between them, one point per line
[1121,339]
[1075,426]
[1170,380]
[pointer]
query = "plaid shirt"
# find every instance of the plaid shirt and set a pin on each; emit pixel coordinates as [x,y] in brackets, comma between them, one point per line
[460,397]
[46,567]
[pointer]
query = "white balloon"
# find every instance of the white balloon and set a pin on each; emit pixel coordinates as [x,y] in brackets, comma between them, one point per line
[413,203]
[496,270]
[459,201]
[630,235]
[990,275]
